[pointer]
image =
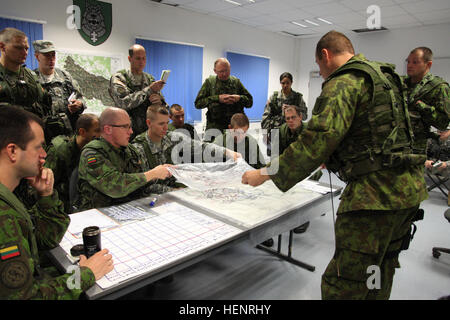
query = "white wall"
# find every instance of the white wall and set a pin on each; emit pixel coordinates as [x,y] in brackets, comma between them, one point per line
[389,46]
[150,20]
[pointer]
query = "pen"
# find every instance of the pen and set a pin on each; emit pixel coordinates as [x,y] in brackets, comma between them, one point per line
[153,202]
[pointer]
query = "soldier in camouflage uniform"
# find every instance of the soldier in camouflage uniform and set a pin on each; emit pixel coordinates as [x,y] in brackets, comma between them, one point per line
[428,97]
[176,114]
[24,235]
[273,116]
[18,84]
[223,95]
[135,90]
[111,170]
[64,153]
[61,86]
[160,146]
[236,139]
[361,130]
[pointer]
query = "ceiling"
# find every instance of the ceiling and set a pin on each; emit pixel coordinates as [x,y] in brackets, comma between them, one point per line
[345,15]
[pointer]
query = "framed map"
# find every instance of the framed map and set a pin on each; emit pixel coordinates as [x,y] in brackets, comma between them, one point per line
[92,72]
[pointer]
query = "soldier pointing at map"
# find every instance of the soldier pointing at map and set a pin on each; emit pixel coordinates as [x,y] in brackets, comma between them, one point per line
[135,90]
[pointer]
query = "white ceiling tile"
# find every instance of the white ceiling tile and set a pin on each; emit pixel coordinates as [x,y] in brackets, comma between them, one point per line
[269,6]
[263,20]
[425,6]
[358,5]
[346,16]
[178,1]
[292,15]
[209,5]
[237,13]
[327,9]
[398,20]
[305,3]
[441,15]
[385,12]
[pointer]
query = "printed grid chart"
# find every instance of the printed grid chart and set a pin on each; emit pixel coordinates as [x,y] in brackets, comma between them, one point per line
[173,232]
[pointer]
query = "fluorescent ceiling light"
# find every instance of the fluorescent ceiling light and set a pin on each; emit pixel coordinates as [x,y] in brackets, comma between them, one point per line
[323,20]
[311,22]
[299,24]
[252,1]
[233,2]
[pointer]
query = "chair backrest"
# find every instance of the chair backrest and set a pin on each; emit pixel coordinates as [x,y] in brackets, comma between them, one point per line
[73,188]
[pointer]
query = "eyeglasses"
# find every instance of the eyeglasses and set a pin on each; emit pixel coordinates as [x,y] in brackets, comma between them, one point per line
[123,126]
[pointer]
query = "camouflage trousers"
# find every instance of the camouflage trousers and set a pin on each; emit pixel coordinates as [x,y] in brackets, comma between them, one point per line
[365,241]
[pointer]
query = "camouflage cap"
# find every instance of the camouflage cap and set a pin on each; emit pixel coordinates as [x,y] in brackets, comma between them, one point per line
[43,46]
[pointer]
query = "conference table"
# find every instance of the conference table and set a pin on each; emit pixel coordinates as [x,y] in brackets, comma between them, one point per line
[160,238]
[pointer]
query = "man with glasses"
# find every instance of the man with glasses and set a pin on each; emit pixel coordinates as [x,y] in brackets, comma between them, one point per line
[111,170]
[223,95]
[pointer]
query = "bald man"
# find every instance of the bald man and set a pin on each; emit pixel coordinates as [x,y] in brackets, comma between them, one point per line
[224,96]
[135,90]
[110,170]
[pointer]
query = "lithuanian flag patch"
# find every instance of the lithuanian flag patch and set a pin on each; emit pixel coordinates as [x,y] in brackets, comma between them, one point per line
[10,252]
[91,160]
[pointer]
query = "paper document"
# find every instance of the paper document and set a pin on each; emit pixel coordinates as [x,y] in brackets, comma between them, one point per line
[93,217]
[165,75]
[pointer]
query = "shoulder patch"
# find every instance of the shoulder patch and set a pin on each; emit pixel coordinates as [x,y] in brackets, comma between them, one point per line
[14,274]
[9,252]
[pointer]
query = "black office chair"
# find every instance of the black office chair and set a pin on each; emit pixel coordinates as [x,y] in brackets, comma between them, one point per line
[73,189]
[436,250]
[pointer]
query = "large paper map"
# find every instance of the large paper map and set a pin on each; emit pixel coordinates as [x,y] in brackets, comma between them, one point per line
[92,72]
[218,188]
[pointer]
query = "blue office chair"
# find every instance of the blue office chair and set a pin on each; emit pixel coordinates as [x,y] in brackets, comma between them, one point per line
[436,250]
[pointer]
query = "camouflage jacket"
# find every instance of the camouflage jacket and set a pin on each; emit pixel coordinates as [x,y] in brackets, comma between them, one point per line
[153,156]
[433,110]
[63,157]
[23,235]
[61,88]
[248,148]
[343,103]
[188,127]
[175,148]
[133,96]
[438,149]
[273,113]
[109,175]
[287,136]
[219,115]
[22,88]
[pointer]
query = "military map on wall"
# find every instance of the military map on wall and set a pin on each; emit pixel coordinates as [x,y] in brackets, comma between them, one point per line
[92,72]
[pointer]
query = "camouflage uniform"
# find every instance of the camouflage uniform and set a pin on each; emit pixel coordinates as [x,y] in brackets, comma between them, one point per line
[188,127]
[155,155]
[109,175]
[219,114]
[22,88]
[439,150]
[60,88]
[287,136]
[365,136]
[273,113]
[252,156]
[23,236]
[132,95]
[63,157]
[433,110]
